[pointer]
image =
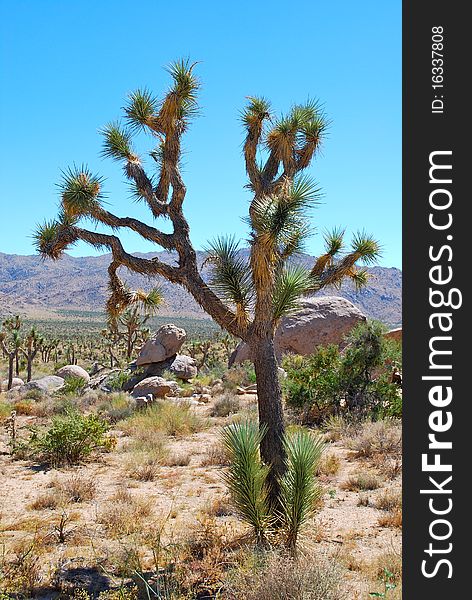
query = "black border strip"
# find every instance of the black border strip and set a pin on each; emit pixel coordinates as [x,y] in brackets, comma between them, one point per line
[424,132]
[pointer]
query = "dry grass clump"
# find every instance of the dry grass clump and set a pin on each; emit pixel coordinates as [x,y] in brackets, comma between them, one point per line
[124,513]
[362,481]
[216,456]
[336,427]
[329,465]
[177,459]
[377,438]
[169,418]
[225,405]
[389,500]
[77,488]
[20,569]
[144,466]
[47,501]
[392,518]
[281,577]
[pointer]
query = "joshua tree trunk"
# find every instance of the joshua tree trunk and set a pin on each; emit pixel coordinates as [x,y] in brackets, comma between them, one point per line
[269,396]
[11,359]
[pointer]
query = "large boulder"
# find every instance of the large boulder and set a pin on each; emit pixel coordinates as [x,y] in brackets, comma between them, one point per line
[184,367]
[47,384]
[16,382]
[320,321]
[394,334]
[166,342]
[157,386]
[73,371]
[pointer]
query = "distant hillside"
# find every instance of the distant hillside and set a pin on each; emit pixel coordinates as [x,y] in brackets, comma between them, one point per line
[29,286]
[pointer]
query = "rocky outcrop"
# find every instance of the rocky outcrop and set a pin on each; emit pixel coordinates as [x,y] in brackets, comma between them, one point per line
[320,321]
[16,382]
[166,342]
[157,386]
[73,371]
[48,384]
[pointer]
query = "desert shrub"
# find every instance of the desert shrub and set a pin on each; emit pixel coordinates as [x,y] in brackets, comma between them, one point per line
[70,439]
[144,466]
[225,405]
[240,375]
[314,380]
[279,577]
[329,465]
[20,570]
[73,386]
[78,488]
[362,481]
[5,410]
[357,380]
[124,513]
[25,407]
[389,500]
[117,380]
[46,501]
[377,438]
[115,407]
[170,418]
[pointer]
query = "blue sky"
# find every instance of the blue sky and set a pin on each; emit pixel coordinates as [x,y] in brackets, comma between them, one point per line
[66,68]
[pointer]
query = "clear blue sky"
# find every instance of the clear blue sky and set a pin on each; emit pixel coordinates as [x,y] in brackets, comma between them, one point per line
[67,66]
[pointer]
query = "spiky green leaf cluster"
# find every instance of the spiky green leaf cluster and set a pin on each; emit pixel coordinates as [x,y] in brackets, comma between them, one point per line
[45,239]
[257,109]
[299,486]
[246,476]
[80,191]
[280,222]
[185,86]
[141,109]
[291,283]
[117,142]
[367,247]
[230,276]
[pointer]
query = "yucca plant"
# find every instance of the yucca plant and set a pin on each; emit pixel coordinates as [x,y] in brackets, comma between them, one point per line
[246,476]
[247,298]
[299,487]
[247,481]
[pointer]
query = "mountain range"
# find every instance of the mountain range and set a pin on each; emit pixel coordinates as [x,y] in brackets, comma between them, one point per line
[31,286]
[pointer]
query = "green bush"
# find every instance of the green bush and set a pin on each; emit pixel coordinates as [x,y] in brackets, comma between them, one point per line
[73,386]
[70,439]
[357,380]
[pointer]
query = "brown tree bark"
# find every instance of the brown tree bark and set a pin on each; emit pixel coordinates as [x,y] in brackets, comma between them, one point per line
[269,396]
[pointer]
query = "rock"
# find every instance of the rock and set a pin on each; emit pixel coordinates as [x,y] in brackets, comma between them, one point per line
[282,373]
[48,384]
[70,371]
[395,334]
[16,382]
[142,402]
[319,322]
[157,386]
[166,342]
[184,367]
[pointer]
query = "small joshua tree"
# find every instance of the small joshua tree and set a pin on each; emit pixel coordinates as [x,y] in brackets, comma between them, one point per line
[247,300]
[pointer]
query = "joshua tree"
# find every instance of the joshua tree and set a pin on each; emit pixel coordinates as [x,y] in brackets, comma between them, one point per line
[248,301]
[135,318]
[32,343]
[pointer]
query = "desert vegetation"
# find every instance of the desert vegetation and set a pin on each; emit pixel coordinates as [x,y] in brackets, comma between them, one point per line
[146,466]
[101,499]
